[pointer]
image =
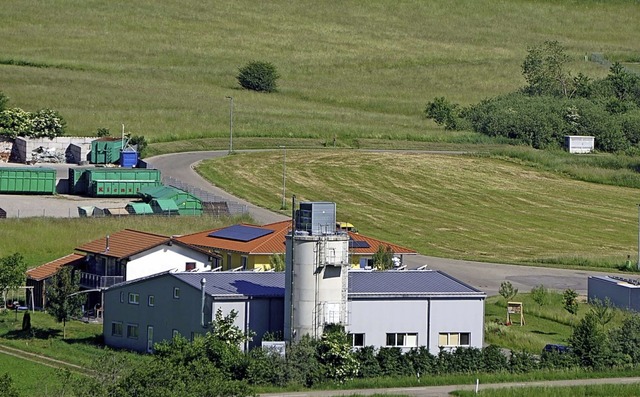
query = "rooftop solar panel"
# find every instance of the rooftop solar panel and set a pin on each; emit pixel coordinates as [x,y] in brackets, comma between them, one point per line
[358,244]
[240,233]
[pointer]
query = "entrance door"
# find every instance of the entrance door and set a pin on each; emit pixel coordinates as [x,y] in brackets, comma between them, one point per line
[150,339]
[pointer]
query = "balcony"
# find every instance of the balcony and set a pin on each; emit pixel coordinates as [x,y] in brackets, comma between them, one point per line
[92,281]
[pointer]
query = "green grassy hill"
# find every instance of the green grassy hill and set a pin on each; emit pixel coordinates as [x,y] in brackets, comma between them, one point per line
[350,69]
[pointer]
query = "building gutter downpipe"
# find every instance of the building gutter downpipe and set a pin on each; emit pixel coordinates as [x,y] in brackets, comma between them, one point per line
[203,282]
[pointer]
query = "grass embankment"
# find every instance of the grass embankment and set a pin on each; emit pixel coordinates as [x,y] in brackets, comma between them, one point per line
[608,390]
[41,240]
[349,69]
[450,206]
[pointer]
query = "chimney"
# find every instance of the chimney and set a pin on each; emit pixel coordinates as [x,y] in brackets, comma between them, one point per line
[203,282]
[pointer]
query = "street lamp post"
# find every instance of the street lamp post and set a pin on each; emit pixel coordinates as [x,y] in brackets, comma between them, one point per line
[284,178]
[230,123]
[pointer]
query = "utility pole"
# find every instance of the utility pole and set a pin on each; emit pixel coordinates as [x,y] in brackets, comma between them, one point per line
[230,123]
[284,177]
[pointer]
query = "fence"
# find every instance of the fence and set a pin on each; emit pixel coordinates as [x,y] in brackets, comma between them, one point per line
[211,203]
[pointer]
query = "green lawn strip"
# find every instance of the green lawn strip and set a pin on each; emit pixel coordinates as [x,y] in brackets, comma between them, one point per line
[30,378]
[351,69]
[627,390]
[461,206]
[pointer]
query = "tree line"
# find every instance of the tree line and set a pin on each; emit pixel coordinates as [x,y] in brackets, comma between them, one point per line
[553,104]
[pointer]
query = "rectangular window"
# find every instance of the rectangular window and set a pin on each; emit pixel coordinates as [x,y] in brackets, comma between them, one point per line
[134,298]
[454,339]
[189,266]
[121,296]
[116,328]
[245,262]
[403,339]
[176,293]
[132,331]
[357,340]
[151,301]
[175,333]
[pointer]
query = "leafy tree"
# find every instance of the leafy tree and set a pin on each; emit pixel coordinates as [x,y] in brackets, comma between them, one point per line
[383,258]
[521,362]
[7,389]
[3,101]
[540,295]
[258,76]
[140,142]
[12,274]
[603,311]
[625,341]
[15,122]
[442,111]
[544,70]
[302,362]
[334,352]
[223,344]
[47,123]
[102,132]
[570,301]
[63,302]
[276,261]
[507,291]
[266,367]
[493,359]
[622,82]
[588,342]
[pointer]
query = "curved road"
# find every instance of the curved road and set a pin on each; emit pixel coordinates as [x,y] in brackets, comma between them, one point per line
[484,276]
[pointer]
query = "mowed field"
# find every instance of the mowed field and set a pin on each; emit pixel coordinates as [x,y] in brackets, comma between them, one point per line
[457,206]
[350,69]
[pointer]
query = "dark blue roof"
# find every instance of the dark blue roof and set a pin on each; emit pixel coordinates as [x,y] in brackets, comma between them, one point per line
[254,284]
[407,282]
[242,233]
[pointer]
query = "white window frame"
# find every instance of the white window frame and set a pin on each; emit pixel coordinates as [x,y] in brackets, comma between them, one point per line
[400,338]
[174,333]
[452,337]
[131,327]
[116,325]
[134,298]
[176,293]
[352,339]
[121,296]
[151,300]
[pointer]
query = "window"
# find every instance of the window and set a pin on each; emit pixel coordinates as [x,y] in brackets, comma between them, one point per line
[175,333]
[121,296]
[189,266]
[245,262]
[151,301]
[132,331]
[116,328]
[134,299]
[402,340]
[454,339]
[176,293]
[357,340]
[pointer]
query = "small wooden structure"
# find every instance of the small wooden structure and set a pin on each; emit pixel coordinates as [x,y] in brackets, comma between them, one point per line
[515,308]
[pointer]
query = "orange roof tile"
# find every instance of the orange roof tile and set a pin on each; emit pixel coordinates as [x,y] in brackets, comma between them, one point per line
[50,268]
[374,244]
[271,243]
[124,243]
[275,242]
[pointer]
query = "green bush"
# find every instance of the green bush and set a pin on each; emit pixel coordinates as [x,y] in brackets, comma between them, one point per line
[258,76]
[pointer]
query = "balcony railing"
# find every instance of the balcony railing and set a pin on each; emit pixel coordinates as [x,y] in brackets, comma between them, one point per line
[91,281]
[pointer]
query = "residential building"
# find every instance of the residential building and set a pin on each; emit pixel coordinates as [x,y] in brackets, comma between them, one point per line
[40,277]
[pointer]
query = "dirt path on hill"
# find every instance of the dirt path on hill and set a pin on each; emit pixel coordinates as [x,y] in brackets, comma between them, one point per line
[40,359]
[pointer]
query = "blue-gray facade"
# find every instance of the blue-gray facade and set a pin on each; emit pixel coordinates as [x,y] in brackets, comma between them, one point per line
[624,293]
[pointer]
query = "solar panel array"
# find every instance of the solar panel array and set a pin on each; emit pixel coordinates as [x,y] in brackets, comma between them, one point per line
[358,244]
[241,233]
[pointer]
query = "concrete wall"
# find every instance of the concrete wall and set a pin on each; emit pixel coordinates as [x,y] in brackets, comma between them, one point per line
[76,149]
[427,317]
[162,258]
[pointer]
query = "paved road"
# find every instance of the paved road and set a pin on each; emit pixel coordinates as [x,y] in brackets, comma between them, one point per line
[438,391]
[484,276]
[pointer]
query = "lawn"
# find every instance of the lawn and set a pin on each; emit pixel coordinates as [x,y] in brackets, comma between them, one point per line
[31,379]
[350,70]
[456,206]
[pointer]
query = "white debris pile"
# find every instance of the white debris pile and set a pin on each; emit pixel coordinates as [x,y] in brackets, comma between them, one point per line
[5,150]
[42,154]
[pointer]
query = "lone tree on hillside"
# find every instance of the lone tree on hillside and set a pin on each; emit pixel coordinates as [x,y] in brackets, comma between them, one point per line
[570,301]
[507,291]
[258,76]
[62,303]
[12,274]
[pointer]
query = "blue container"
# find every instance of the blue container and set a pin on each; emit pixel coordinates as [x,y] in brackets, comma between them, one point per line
[128,158]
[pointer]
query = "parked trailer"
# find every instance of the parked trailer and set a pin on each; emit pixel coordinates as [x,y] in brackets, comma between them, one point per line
[78,182]
[26,180]
[123,188]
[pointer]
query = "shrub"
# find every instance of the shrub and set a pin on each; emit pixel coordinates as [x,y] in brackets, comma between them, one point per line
[3,101]
[258,76]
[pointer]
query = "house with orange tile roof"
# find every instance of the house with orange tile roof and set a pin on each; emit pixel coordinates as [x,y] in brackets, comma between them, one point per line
[250,247]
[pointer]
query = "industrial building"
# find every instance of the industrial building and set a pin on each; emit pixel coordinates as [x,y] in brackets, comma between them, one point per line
[623,293]
[381,308]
